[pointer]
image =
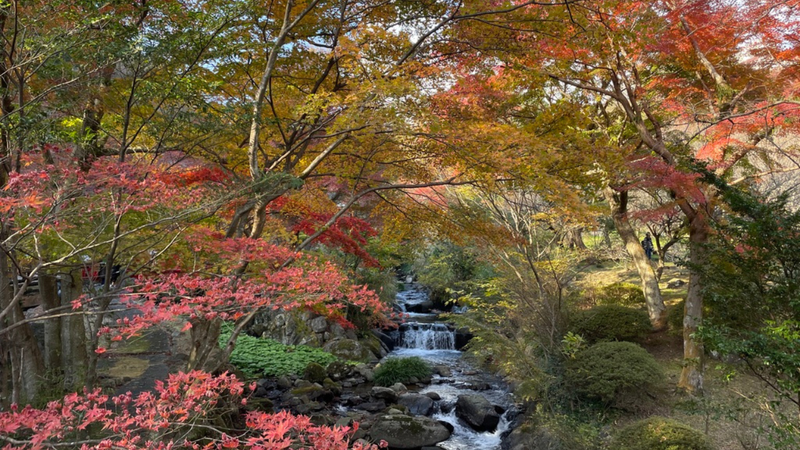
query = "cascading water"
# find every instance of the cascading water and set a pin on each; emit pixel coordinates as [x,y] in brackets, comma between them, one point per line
[435,342]
[427,336]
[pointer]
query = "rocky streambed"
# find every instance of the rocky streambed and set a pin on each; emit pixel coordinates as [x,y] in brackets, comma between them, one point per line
[458,407]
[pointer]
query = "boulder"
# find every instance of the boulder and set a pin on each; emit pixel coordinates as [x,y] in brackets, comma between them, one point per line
[372,407]
[417,404]
[675,283]
[318,324]
[286,327]
[400,388]
[315,373]
[284,382]
[442,370]
[540,437]
[332,386]
[463,337]
[406,432]
[349,349]
[375,346]
[338,370]
[365,371]
[384,393]
[313,392]
[423,307]
[477,412]
[387,340]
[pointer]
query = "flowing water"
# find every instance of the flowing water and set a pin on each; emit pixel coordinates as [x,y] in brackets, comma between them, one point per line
[423,336]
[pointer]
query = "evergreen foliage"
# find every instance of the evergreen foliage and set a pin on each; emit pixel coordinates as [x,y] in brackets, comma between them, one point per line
[606,370]
[752,287]
[622,294]
[610,323]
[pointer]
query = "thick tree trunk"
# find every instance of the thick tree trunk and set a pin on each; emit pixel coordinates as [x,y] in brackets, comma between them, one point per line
[572,238]
[692,374]
[73,334]
[618,201]
[205,352]
[26,366]
[48,292]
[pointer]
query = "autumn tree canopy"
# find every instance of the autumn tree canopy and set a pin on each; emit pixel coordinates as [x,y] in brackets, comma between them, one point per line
[241,156]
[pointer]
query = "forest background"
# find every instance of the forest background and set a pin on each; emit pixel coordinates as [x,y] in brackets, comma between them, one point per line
[239,156]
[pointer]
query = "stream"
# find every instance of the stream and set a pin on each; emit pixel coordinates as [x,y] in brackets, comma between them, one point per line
[423,335]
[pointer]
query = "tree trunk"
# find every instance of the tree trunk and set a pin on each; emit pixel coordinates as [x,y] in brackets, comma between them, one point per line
[48,292]
[24,355]
[205,352]
[572,237]
[692,374]
[73,334]
[618,201]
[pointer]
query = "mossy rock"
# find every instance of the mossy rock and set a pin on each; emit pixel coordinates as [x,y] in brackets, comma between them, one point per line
[315,373]
[608,370]
[349,350]
[374,345]
[406,432]
[659,433]
[610,323]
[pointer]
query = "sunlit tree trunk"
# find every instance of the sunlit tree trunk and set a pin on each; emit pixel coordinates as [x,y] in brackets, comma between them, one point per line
[618,201]
[691,378]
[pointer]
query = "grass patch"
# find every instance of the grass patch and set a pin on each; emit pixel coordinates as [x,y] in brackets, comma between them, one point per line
[257,357]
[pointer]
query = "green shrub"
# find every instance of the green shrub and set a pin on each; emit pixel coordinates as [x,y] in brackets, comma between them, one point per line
[610,323]
[658,433]
[257,357]
[608,370]
[401,370]
[623,294]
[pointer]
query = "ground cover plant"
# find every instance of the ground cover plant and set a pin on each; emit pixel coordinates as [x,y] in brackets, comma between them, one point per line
[260,357]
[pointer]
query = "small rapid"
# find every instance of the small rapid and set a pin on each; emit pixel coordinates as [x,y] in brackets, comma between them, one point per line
[435,342]
[427,336]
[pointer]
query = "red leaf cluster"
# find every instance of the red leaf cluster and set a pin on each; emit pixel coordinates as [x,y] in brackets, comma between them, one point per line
[160,419]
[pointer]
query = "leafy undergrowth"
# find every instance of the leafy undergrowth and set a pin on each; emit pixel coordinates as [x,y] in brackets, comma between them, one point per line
[257,357]
[736,410]
[401,370]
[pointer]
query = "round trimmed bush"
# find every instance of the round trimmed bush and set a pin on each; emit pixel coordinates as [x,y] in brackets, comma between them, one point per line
[401,370]
[623,294]
[608,370]
[658,433]
[611,323]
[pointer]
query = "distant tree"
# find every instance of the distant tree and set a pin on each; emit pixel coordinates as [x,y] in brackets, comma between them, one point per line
[753,292]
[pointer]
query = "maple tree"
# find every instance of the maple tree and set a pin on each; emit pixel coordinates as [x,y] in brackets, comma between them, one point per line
[167,418]
[226,154]
[658,87]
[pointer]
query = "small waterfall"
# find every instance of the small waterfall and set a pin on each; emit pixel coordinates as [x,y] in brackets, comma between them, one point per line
[427,336]
[412,297]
